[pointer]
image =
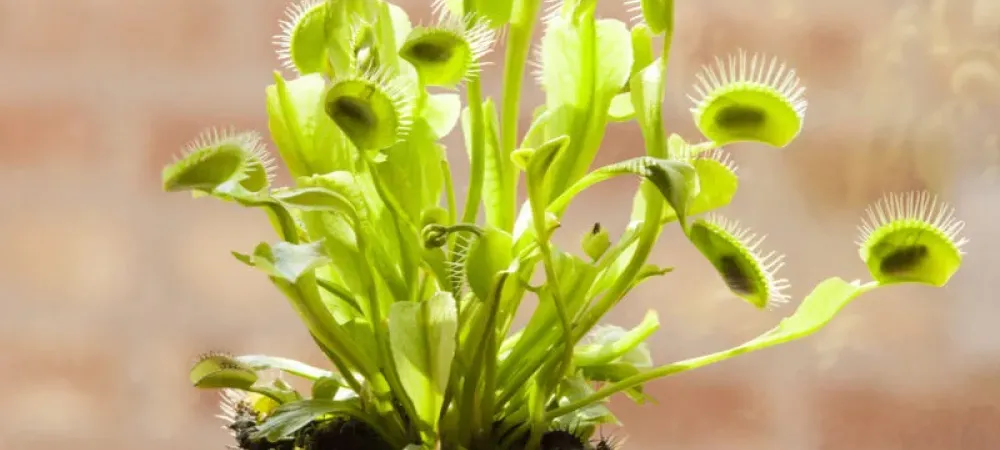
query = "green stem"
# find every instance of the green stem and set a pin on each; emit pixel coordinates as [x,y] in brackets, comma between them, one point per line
[519,35]
[465,227]
[537,197]
[449,186]
[477,162]
[340,292]
[771,338]
[668,37]
[636,380]
[410,259]
[651,226]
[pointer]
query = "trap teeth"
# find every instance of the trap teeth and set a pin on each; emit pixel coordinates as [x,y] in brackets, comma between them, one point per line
[749,98]
[911,238]
[735,253]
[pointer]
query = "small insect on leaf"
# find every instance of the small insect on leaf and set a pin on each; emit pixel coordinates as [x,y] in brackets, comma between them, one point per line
[750,99]
[911,238]
[596,242]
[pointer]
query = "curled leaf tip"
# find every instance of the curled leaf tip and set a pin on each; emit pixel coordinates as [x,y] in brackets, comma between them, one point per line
[301,43]
[451,51]
[749,98]
[911,237]
[736,254]
[373,109]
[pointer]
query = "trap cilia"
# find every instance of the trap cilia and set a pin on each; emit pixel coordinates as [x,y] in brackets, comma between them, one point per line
[412,296]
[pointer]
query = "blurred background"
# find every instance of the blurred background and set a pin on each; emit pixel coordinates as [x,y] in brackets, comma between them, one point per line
[109,287]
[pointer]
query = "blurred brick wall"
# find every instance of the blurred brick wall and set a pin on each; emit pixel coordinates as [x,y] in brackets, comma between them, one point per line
[108,287]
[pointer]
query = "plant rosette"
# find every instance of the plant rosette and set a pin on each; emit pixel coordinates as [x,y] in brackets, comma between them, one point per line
[412,298]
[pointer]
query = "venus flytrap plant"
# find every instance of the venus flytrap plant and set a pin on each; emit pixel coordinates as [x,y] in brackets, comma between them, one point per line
[413,300]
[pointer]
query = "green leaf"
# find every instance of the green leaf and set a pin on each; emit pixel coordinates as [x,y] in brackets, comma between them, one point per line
[422,336]
[307,139]
[816,310]
[441,111]
[281,219]
[288,261]
[215,371]
[376,238]
[677,181]
[499,196]
[658,14]
[362,335]
[642,49]
[291,417]
[401,24]
[489,255]
[575,388]
[648,271]
[388,31]
[535,136]
[543,332]
[615,372]
[718,185]
[291,267]
[411,171]
[279,391]
[621,108]
[326,388]
[610,344]
[585,63]
[315,199]
[341,294]
[647,88]
[539,163]
[496,12]
[291,366]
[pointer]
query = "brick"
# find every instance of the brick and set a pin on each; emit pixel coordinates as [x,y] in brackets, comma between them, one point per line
[159,34]
[65,132]
[865,419]
[718,32]
[695,414]
[168,34]
[838,40]
[69,393]
[182,411]
[44,29]
[91,266]
[861,165]
[215,285]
